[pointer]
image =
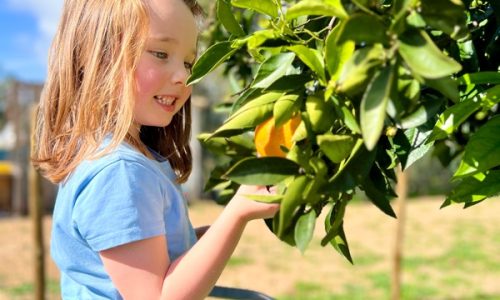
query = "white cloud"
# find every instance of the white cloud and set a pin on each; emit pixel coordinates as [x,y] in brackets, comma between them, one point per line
[46,14]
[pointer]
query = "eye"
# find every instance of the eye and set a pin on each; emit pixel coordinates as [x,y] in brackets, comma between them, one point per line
[159,54]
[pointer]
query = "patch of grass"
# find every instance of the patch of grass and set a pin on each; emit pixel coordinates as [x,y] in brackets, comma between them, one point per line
[21,289]
[418,291]
[53,286]
[310,291]
[366,260]
[236,261]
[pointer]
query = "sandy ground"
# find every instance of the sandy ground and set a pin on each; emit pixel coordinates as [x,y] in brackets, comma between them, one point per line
[261,262]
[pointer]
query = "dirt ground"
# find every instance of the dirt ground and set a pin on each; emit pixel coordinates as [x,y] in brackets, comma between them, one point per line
[261,262]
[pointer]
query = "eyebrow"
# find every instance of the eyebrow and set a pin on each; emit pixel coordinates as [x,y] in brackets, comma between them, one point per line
[167,39]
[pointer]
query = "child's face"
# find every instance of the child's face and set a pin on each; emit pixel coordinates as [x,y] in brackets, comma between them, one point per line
[165,64]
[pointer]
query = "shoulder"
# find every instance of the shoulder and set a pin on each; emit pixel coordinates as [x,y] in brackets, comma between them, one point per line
[119,164]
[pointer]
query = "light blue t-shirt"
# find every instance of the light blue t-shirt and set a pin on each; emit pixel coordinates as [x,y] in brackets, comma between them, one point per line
[117,199]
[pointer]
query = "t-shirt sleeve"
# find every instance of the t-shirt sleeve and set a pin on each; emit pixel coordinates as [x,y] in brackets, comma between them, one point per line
[122,203]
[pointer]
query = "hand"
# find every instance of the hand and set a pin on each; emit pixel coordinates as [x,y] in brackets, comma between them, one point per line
[249,209]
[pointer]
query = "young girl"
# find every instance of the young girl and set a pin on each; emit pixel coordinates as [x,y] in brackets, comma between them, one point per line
[112,131]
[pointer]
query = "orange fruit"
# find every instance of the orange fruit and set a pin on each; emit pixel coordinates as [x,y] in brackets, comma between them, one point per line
[269,138]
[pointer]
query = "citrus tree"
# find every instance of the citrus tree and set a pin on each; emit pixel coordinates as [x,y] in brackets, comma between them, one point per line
[333,95]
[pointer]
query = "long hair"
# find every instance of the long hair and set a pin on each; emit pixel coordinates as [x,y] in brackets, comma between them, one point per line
[90,90]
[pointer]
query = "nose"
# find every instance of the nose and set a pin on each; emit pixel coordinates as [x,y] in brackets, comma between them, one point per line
[180,74]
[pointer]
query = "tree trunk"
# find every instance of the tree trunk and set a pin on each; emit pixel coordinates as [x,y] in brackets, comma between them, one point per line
[402,191]
[36,215]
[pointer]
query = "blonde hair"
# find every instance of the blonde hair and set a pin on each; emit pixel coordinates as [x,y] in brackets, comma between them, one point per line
[90,90]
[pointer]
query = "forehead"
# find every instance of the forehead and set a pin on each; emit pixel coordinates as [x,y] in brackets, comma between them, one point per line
[172,19]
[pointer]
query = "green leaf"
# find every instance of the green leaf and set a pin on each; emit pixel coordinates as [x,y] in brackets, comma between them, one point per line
[447,86]
[284,108]
[311,58]
[481,152]
[377,197]
[336,147]
[480,78]
[452,117]
[333,221]
[373,106]
[226,16]
[262,170]
[472,189]
[424,57]
[425,112]
[211,59]
[267,7]
[332,8]
[265,198]
[236,145]
[355,29]
[304,230]
[292,82]
[294,196]
[491,97]
[249,115]
[336,54]
[448,16]
[412,144]
[359,69]
[339,242]
[272,69]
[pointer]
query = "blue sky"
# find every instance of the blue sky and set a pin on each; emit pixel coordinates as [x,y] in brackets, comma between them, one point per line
[26,31]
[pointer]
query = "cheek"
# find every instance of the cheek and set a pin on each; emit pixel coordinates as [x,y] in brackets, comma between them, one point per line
[147,82]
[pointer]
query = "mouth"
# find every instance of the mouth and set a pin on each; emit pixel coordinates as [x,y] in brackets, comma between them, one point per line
[165,100]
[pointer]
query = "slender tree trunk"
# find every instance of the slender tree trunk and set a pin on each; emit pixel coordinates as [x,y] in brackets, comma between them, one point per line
[402,191]
[36,214]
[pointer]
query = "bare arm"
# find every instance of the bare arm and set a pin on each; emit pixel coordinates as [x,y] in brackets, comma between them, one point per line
[142,270]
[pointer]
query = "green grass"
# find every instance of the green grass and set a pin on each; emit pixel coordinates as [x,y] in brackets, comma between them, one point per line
[236,261]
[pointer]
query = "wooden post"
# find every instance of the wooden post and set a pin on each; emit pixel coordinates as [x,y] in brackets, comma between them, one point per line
[402,191]
[36,215]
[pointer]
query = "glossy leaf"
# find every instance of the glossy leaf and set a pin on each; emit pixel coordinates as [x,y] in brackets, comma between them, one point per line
[355,29]
[424,57]
[262,171]
[294,196]
[311,58]
[226,16]
[472,189]
[445,15]
[447,86]
[422,114]
[336,147]
[249,115]
[480,78]
[265,198]
[331,8]
[373,106]
[412,144]
[304,230]
[336,54]
[284,108]
[267,7]
[482,150]
[377,197]
[211,59]
[453,117]
[272,69]
[359,68]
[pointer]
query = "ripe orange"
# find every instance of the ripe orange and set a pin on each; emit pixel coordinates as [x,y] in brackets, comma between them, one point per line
[268,138]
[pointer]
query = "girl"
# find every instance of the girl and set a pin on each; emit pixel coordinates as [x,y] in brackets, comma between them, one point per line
[112,131]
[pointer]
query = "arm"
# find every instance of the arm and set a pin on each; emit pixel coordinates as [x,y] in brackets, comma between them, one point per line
[142,270]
